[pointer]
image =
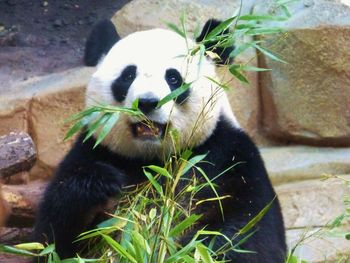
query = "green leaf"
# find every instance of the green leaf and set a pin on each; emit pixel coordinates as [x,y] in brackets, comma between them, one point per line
[225,87]
[262,18]
[192,162]
[176,29]
[264,31]
[97,124]
[219,29]
[174,94]
[295,259]
[75,128]
[30,246]
[153,181]
[234,71]
[141,241]
[251,68]
[107,128]
[182,226]
[135,104]
[48,250]
[269,54]
[119,249]
[16,251]
[204,253]
[159,170]
[241,48]
[82,114]
[256,218]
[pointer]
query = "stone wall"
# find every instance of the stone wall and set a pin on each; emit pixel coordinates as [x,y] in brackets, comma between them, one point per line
[305,103]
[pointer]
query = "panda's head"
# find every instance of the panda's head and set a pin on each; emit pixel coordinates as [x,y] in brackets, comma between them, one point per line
[147,66]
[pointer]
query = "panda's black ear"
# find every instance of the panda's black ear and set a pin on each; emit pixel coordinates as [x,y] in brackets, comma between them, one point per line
[102,37]
[222,52]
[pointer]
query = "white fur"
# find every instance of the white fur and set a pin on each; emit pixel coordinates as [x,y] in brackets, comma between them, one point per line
[153,52]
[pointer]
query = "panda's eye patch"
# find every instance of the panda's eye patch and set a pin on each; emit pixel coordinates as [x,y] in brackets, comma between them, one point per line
[128,74]
[122,84]
[175,81]
[173,78]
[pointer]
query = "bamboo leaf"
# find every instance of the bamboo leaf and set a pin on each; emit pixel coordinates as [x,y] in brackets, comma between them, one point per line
[30,246]
[174,94]
[160,170]
[16,251]
[256,218]
[97,124]
[75,128]
[119,249]
[252,68]
[269,54]
[203,253]
[192,162]
[182,226]
[175,28]
[107,128]
[153,181]
[219,29]
[48,250]
[234,71]
[262,18]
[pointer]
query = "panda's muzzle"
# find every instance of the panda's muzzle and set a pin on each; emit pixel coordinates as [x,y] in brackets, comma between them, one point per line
[148,130]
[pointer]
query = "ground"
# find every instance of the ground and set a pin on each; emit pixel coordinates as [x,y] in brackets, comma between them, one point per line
[42,37]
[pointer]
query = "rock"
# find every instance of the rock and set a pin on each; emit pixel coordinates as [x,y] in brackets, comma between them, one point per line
[293,163]
[312,203]
[13,114]
[244,98]
[62,97]
[307,100]
[155,13]
[319,249]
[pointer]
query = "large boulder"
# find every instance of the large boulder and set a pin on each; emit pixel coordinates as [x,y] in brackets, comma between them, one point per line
[146,14]
[60,96]
[296,163]
[307,100]
[313,202]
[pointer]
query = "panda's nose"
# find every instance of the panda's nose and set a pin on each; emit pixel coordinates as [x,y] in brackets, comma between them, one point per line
[146,105]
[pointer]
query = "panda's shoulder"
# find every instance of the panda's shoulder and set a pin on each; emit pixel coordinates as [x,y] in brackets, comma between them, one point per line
[228,140]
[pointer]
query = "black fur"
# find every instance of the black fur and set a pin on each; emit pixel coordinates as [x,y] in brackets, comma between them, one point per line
[100,41]
[222,52]
[87,178]
[121,85]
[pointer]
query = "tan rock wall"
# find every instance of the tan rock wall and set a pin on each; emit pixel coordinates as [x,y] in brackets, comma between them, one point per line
[307,100]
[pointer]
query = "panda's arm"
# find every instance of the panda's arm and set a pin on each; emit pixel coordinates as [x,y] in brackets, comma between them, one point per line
[81,186]
[250,190]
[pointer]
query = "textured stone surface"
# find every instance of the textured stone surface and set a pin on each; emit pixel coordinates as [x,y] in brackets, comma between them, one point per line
[13,115]
[307,100]
[155,13]
[244,98]
[48,112]
[293,163]
[312,203]
[319,248]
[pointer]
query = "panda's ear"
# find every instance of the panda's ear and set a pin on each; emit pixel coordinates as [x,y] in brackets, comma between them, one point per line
[102,37]
[222,52]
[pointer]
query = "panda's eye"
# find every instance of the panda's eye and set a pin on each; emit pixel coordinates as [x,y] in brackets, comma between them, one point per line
[173,78]
[128,74]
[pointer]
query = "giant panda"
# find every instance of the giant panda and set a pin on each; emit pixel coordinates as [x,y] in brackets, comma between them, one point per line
[147,66]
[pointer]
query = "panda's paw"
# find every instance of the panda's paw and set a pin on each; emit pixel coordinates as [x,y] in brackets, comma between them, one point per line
[107,183]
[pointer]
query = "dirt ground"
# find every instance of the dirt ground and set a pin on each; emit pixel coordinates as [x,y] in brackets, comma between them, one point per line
[41,37]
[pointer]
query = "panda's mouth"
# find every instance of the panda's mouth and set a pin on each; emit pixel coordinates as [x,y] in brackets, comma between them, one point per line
[148,131]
